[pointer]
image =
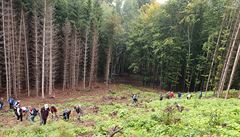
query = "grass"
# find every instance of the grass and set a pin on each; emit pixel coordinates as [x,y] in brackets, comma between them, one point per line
[151,118]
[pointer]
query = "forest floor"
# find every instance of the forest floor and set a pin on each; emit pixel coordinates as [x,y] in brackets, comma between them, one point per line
[109,108]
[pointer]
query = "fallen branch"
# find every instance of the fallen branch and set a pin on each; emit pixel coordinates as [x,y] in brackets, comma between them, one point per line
[114,131]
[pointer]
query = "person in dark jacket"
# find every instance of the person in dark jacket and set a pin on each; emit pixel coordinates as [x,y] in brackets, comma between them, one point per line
[179,95]
[44,114]
[79,112]
[66,114]
[1,103]
[33,112]
[18,113]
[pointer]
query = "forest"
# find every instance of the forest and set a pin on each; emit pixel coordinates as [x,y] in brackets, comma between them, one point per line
[96,51]
[59,44]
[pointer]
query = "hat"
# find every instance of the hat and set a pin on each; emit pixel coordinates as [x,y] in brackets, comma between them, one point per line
[46,106]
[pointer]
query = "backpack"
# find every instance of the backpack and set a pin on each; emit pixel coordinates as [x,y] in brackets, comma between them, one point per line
[34,112]
[11,101]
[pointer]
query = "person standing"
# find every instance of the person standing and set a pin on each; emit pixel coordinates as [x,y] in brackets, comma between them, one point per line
[200,95]
[1,103]
[11,102]
[134,99]
[18,112]
[44,114]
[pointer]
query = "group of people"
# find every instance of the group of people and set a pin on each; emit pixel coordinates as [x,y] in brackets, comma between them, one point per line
[168,95]
[32,112]
[171,94]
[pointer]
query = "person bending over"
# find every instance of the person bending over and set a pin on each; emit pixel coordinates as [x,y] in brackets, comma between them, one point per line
[179,95]
[33,112]
[66,114]
[53,111]
[79,112]
[161,97]
[189,96]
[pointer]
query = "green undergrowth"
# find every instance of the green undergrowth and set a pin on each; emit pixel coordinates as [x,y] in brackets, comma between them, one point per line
[150,118]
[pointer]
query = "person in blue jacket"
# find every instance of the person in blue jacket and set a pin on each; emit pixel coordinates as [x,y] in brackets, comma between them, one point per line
[66,114]
[11,102]
[179,95]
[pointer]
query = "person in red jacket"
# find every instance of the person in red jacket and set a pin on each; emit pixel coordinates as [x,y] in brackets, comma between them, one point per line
[53,111]
[171,94]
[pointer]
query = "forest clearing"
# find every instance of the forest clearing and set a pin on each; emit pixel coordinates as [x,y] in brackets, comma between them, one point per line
[151,117]
[132,68]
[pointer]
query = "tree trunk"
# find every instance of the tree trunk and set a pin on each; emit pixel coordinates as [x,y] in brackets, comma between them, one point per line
[94,62]
[51,52]
[214,55]
[13,50]
[43,48]
[109,57]
[236,61]
[36,51]
[74,59]
[5,49]
[85,60]
[222,82]
[66,52]
[26,54]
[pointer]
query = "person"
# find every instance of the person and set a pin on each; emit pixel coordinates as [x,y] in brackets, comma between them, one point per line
[200,95]
[1,103]
[66,114]
[171,94]
[179,95]
[16,104]
[167,95]
[179,107]
[161,97]
[18,112]
[53,111]
[44,114]
[189,96]
[11,102]
[33,112]
[25,109]
[134,99]
[79,112]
